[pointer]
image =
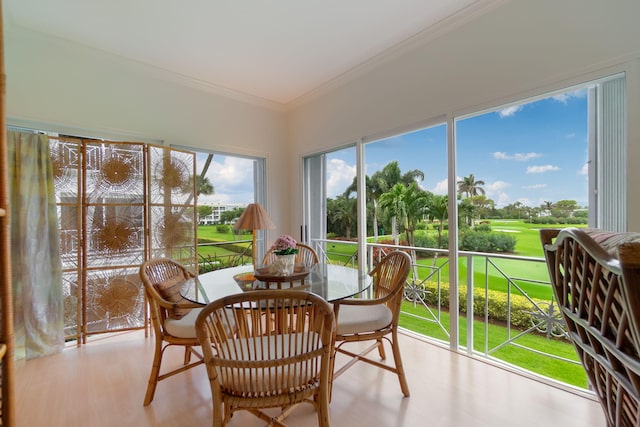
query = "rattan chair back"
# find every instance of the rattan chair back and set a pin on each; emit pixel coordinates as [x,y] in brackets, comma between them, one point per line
[268,349]
[305,256]
[598,291]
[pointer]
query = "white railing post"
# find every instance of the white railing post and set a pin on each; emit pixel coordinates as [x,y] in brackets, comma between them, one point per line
[470,311]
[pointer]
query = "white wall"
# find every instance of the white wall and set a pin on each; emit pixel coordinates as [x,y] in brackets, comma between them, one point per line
[67,87]
[519,49]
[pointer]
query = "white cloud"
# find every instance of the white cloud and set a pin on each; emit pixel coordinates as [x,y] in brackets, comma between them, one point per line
[584,170]
[542,169]
[534,186]
[502,200]
[442,187]
[520,157]
[340,176]
[232,180]
[570,135]
[525,201]
[496,187]
[509,111]
[564,97]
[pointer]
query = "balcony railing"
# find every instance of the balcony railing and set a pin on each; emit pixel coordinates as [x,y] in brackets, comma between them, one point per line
[506,311]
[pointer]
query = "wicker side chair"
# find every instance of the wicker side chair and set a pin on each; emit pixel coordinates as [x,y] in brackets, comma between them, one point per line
[277,355]
[306,256]
[596,280]
[172,317]
[375,319]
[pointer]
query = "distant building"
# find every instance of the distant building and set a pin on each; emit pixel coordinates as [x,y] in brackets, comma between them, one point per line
[218,208]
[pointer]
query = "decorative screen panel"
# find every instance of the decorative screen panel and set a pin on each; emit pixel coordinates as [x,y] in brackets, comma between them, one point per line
[114,234]
[172,180]
[71,292]
[66,161]
[115,300]
[118,204]
[172,205]
[172,233]
[114,170]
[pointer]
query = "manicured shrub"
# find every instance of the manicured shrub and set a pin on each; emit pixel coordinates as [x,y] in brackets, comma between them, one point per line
[424,240]
[482,228]
[223,228]
[475,242]
[487,242]
[497,307]
[501,242]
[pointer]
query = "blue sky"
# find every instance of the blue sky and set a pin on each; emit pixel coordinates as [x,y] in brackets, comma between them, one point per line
[232,179]
[531,153]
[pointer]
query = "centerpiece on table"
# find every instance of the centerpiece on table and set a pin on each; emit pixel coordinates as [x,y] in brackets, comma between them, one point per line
[284,249]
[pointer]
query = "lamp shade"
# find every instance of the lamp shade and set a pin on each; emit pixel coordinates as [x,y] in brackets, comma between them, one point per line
[254,217]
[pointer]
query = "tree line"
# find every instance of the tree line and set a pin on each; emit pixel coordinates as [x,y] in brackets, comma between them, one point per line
[396,204]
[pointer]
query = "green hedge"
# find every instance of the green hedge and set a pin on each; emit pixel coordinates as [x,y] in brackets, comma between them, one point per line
[521,307]
[230,246]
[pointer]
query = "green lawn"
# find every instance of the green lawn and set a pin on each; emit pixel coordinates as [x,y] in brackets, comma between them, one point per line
[550,367]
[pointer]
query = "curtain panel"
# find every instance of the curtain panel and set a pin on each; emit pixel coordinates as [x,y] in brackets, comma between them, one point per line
[36,264]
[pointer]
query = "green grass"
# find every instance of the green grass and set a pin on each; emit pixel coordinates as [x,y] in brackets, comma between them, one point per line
[220,252]
[543,365]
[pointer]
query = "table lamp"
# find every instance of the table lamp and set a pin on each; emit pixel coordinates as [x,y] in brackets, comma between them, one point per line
[254,218]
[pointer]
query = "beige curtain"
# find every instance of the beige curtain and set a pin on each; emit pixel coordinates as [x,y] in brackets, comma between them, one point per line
[36,275]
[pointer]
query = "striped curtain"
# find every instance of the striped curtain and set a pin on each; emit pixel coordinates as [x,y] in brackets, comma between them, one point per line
[36,265]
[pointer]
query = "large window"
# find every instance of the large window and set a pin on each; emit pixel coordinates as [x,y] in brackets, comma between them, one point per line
[466,199]
[557,158]
[226,184]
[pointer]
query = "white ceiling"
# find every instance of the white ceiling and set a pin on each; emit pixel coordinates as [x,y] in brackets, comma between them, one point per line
[278,50]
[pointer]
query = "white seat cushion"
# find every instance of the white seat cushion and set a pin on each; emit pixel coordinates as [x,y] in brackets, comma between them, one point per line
[353,319]
[185,327]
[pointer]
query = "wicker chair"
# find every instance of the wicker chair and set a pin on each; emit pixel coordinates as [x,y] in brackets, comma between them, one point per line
[172,317]
[277,354]
[596,281]
[306,255]
[375,319]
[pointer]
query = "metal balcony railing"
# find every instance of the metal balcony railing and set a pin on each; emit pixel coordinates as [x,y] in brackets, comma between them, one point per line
[506,311]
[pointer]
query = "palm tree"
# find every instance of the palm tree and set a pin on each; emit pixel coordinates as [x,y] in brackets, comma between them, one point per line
[393,201]
[438,209]
[385,179]
[204,186]
[412,176]
[470,187]
[547,206]
[415,201]
[344,211]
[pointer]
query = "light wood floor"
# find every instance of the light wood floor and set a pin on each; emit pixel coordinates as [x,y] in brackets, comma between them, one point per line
[103,384]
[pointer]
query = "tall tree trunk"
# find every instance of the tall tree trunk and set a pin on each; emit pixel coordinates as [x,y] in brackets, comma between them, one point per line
[394,230]
[375,221]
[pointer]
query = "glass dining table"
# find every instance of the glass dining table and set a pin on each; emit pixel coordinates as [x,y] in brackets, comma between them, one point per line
[331,282]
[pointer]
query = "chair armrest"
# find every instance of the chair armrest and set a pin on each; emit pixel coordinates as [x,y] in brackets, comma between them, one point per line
[171,305]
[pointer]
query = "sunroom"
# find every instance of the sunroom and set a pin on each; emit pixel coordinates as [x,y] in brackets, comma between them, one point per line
[488,56]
